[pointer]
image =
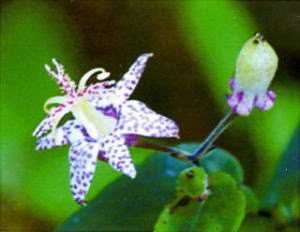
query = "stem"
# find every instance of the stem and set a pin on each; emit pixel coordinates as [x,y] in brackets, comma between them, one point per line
[211,138]
[176,153]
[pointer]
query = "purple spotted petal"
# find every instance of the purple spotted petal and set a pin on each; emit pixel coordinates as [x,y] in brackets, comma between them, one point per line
[48,122]
[266,101]
[240,103]
[82,158]
[137,118]
[70,132]
[128,82]
[109,104]
[232,83]
[117,154]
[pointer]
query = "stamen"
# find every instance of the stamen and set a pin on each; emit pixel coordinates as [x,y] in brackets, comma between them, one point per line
[59,67]
[49,70]
[102,76]
[108,83]
[86,76]
[54,100]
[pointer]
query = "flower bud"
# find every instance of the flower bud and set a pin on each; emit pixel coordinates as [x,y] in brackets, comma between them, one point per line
[255,68]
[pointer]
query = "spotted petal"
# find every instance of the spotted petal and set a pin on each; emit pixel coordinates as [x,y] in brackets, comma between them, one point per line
[128,82]
[53,117]
[70,132]
[266,101]
[82,158]
[137,118]
[116,153]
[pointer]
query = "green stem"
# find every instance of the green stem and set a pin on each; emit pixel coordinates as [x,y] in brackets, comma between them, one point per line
[176,153]
[211,138]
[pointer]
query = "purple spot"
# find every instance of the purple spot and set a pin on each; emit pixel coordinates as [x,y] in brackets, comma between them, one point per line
[84,132]
[130,139]
[232,83]
[271,95]
[109,111]
[101,156]
[240,96]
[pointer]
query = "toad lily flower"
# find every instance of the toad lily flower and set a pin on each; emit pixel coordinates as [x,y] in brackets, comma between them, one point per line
[105,123]
[255,69]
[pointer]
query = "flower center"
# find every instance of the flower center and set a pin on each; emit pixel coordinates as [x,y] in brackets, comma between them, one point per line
[97,123]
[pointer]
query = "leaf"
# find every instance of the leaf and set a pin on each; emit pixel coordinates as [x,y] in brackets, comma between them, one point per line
[287,175]
[252,202]
[183,219]
[130,205]
[223,211]
[192,182]
[257,224]
[218,160]
[272,131]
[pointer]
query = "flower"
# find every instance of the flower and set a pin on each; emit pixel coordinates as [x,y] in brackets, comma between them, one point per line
[105,123]
[255,69]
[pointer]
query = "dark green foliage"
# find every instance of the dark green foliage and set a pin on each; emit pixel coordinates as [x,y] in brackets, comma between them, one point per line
[285,182]
[218,160]
[131,205]
[252,202]
[192,182]
[222,211]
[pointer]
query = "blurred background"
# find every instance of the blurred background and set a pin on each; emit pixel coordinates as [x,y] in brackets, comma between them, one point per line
[195,44]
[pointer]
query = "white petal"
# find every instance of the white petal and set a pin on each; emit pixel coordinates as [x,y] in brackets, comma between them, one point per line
[70,132]
[118,155]
[82,158]
[51,120]
[137,118]
[128,82]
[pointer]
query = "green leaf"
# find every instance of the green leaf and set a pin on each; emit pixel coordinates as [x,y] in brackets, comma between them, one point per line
[221,160]
[130,205]
[223,211]
[295,202]
[252,202]
[257,224]
[192,182]
[272,131]
[287,175]
[185,214]
[218,160]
